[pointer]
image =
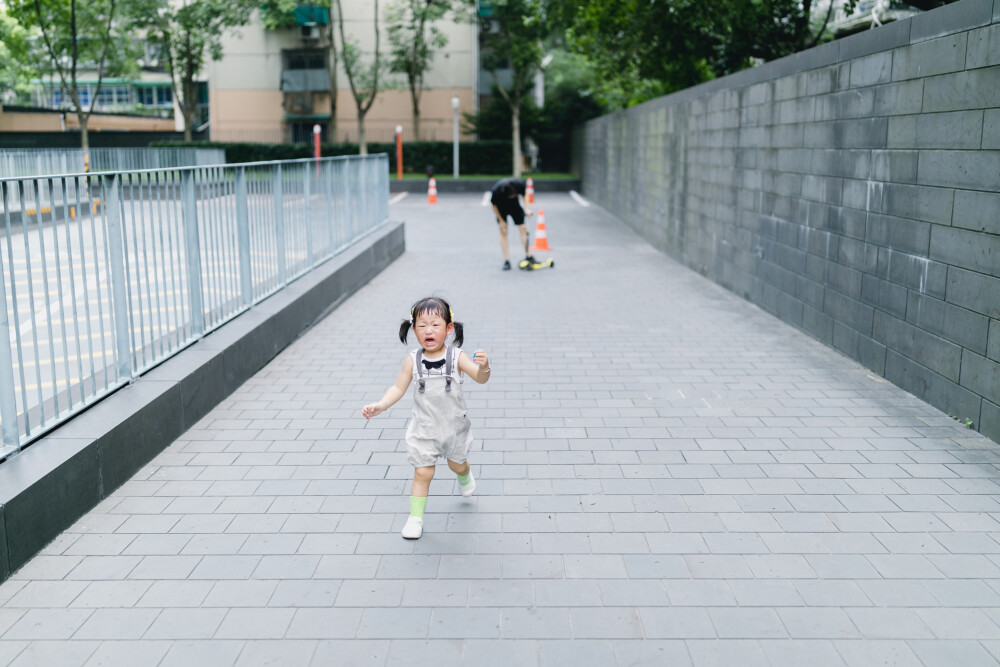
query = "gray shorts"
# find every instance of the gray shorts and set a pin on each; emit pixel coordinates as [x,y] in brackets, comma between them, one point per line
[425,444]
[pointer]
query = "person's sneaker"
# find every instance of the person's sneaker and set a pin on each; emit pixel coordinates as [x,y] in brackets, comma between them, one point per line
[506,265]
[531,259]
[469,488]
[414,528]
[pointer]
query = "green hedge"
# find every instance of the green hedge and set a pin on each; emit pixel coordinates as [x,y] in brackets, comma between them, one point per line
[478,157]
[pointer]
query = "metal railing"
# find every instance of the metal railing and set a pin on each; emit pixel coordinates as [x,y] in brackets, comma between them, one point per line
[28,162]
[24,162]
[105,275]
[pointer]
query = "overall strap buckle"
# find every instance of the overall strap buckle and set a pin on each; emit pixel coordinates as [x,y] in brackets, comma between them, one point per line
[447,368]
[420,371]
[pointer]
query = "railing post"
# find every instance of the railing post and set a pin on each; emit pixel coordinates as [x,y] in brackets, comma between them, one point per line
[243,236]
[307,196]
[331,216]
[279,224]
[192,245]
[8,400]
[116,258]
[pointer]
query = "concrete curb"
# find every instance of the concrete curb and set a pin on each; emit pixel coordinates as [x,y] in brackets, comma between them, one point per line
[55,481]
[477,185]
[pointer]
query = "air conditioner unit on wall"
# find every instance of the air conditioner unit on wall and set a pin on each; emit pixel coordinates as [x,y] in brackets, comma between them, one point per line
[309,32]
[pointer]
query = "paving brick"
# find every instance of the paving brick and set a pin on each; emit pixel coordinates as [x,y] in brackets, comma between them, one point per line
[535,623]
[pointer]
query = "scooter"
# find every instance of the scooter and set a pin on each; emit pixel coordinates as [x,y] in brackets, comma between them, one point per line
[528,265]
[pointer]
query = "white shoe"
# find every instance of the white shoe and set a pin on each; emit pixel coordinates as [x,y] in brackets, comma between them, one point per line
[414,528]
[469,488]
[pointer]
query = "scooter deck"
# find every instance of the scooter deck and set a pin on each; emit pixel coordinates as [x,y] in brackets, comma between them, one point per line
[525,265]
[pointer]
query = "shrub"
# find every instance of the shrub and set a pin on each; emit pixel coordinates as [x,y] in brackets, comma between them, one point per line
[475,157]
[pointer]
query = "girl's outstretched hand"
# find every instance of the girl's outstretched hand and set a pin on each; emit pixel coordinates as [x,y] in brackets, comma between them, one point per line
[371,410]
[480,358]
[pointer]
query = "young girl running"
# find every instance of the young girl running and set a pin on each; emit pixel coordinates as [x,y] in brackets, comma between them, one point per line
[439,426]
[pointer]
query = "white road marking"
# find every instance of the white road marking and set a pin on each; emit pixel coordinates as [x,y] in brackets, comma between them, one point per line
[486,198]
[398,197]
[578,199]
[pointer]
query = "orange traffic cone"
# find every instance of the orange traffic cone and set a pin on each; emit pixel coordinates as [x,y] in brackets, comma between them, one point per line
[529,192]
[541,239]
[432,191]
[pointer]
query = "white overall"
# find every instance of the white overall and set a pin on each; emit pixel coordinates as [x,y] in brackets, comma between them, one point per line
[439,426]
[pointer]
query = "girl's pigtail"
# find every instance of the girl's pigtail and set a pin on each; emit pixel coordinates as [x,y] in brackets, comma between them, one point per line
[404,330]
[459,334]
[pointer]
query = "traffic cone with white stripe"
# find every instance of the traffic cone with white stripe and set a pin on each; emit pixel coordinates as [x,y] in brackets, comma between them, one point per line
[432,191]
[529,192]
[541,238]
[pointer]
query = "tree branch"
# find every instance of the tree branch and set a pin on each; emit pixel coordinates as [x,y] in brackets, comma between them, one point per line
[104,54]
[55,59]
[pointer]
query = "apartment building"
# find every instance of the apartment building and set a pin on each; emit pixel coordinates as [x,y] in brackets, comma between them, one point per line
[275,85]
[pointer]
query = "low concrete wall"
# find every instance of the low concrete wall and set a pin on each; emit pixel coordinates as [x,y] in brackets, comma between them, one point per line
[476,185]
[852,190]
[56,480]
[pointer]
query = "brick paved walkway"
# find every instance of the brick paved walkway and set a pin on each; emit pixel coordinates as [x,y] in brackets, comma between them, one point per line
[667,476]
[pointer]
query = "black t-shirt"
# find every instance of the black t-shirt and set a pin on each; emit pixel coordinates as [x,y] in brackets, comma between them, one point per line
[505,192]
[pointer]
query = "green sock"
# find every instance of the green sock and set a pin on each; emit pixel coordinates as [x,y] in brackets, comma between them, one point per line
[417,505]
[462,481]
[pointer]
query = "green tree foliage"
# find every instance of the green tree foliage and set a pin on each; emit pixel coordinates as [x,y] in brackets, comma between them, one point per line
[78,36]
[15,67]
[515,46]
[413,39]
[188,33]
[568,101]
[658,46]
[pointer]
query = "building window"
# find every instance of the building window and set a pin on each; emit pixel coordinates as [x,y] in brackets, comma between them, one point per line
[311,59]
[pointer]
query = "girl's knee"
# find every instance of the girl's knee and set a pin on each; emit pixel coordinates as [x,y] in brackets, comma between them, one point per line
[424,474]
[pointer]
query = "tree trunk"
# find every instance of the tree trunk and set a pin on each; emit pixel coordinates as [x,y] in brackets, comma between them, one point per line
[84,133]
[332,65]
[333,102]
[415,98]
[188,106]
[516,138]
[361,135]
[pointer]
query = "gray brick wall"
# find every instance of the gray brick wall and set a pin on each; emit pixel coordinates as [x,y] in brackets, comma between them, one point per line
[852,190]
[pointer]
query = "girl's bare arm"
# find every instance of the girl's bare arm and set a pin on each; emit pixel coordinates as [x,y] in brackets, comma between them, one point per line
[393,393]
[477,367]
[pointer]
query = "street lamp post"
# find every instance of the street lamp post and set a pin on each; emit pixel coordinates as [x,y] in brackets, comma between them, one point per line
[316,145]
[454,151]
[399,152]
